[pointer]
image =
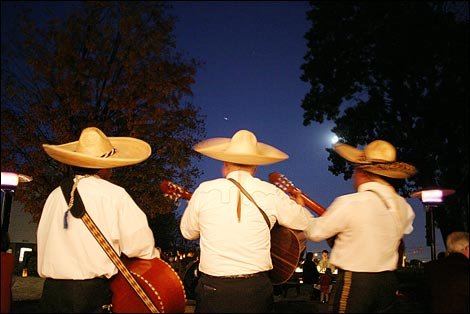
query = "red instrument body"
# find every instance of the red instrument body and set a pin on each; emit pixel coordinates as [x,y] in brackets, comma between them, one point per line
[159,281]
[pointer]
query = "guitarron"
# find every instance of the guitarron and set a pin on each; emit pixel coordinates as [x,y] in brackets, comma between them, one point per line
[157,279]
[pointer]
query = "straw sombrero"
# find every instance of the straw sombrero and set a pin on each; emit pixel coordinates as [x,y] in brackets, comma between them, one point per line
[95,150]
[242,148]
[378,157]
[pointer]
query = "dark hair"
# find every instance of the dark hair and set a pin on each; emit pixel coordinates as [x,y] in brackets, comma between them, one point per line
[82,171]
[394,182]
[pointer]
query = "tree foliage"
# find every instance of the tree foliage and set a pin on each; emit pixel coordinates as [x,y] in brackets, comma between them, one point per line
[396,71]
[109,64]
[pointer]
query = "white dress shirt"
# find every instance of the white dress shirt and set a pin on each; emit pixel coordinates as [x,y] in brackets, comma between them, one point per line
[368,230]
[73,252]
[232,247]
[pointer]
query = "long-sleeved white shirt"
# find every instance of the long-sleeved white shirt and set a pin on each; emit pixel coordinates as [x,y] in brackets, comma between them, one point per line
[73,252]
[368,231]
[232,247]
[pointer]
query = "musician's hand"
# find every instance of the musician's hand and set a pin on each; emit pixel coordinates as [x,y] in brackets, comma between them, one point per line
[297,197]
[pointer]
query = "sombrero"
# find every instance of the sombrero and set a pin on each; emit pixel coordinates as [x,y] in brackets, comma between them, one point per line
[95,150]
[242,148]
[378,157]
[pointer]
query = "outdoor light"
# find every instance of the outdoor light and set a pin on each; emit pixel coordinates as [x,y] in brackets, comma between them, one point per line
[431,198]
[10,181]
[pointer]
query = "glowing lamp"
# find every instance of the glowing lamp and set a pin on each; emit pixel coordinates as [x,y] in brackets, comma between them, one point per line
[430,199]
[432,196]
[10,181]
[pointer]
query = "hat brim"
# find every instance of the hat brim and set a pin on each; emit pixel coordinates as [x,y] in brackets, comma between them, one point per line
[395,170]
[129,151]
[350,153]
[216,148]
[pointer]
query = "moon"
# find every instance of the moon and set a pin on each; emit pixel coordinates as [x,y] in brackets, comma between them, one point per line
[334,139]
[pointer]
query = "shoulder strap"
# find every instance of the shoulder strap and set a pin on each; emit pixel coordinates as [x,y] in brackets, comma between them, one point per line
[380,196]
[81,213]
[252,200]
[388,207]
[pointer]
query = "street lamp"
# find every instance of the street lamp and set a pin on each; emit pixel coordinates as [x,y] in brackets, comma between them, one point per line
[10,181]
[431,198]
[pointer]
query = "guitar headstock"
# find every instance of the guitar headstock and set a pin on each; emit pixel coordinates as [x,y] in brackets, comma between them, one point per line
[174,191]
[281,182]
[287,186]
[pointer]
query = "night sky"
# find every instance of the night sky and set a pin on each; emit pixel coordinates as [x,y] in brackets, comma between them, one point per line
[252,52]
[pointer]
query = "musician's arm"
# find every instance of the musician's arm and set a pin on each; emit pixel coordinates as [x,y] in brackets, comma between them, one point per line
[328,225]
[189,225]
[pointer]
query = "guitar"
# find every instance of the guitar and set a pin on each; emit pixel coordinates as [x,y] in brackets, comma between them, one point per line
[158,280]
[289,236]
[286,244]
[287,186]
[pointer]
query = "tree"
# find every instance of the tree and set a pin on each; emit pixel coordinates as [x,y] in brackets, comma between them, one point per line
[396,71]
[108,64]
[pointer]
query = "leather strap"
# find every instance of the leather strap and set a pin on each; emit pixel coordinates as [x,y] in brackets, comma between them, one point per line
[252,200]
[239,206]
[402,242]
[388,207]
[381,198]
[108,249]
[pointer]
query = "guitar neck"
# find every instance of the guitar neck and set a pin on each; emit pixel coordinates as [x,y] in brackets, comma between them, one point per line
[286,185]
[317,208]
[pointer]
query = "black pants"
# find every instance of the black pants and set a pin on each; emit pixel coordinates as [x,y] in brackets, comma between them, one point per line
[75,296]
[234,295]
[362,292]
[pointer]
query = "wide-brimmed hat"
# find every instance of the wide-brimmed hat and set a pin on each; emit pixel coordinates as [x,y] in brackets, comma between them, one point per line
[242,148]
[95,150]
[378,157]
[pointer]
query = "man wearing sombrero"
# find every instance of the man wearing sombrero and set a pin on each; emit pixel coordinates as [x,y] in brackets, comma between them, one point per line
[368,227]
[234,236]
[75,266]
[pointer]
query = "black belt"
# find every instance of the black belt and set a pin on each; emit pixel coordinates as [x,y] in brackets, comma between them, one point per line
[244,276]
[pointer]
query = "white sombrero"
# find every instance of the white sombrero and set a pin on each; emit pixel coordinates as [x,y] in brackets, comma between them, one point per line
[95,150]
[378,157]
[242,148]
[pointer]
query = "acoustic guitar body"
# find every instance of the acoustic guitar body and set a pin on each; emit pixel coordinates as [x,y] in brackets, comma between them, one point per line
[159,281]
[286,247]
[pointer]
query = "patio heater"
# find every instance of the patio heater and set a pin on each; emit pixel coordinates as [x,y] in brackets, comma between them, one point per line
[431,199]
[10,181]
